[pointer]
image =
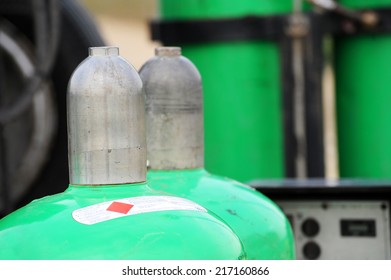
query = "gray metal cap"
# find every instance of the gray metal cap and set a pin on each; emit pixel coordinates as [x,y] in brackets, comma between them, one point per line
[106,121]
[175,129]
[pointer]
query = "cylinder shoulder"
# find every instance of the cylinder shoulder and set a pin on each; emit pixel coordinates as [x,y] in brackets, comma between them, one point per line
[260,224]
[160,234]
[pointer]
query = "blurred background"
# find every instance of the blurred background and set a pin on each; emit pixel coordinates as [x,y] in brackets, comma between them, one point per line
[278,96]
[124,23]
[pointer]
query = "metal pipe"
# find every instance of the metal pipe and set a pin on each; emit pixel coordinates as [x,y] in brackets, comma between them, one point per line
[299,92]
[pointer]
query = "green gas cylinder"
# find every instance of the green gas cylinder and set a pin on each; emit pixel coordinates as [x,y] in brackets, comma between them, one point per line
[109,211]
[363,93]
[242,86]
[174,113]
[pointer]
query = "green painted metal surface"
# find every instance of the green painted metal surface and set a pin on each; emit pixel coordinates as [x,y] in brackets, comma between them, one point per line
[45,229]
[242,109]
[190,9]
[242,91]
[262,227]
[363,91]
[365,4]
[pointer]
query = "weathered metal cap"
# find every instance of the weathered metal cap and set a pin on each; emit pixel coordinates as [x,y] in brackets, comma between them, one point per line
[175,131]
[106,121]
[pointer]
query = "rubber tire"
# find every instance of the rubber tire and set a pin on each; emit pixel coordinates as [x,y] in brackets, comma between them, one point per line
[78,32]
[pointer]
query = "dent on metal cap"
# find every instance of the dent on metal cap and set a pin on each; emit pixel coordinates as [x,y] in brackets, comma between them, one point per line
[106,121]
[175,131]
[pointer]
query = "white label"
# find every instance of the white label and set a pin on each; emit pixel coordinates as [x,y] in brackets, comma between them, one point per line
[132,206]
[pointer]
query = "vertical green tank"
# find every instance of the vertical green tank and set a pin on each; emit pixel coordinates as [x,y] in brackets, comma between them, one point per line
[174,113]
[242,87]
[109,211]
[363,92]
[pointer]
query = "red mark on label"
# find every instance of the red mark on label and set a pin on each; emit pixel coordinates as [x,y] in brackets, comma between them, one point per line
[120,207]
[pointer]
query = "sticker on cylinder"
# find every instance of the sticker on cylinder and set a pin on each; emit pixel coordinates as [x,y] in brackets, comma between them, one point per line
[132,206]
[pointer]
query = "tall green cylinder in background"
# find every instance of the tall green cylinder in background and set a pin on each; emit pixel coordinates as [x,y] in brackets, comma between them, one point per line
[242,91]
[363,84]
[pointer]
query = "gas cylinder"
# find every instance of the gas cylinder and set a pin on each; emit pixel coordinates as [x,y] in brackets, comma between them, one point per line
[363,94]
[108,210]
[243,131]
[174,114]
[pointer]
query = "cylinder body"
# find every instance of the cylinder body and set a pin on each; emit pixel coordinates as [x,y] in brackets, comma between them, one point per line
[173,111]
[363,96]
[158,235]
[242,91]
[106,121]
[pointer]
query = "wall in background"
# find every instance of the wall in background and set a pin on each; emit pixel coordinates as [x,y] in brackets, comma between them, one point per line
[124,23]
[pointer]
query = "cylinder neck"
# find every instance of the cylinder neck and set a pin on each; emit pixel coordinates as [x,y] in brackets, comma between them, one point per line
[106,121]
[103,51]
[168,51]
